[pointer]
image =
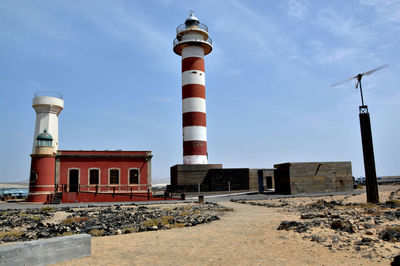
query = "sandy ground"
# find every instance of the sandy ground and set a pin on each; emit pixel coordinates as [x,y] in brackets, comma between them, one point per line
[246,236]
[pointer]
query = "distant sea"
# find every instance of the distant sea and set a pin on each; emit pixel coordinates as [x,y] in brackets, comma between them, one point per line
[14,191]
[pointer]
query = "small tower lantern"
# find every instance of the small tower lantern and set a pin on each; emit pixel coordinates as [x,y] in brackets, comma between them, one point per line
[192,43]
[44,139]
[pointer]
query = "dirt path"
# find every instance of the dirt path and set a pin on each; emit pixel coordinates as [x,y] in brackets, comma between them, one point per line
[247,236]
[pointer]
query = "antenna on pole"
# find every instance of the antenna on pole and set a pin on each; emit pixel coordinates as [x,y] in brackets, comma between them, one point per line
[366,139]
[358,78]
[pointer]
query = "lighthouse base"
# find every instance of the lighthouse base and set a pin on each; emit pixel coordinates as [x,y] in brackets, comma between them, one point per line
[210,177]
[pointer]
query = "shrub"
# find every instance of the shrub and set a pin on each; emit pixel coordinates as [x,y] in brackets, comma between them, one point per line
[166,219]
[47,209]
[225,209]
[151,222]
[129,230]
[96,232]
[35,218]
[177,225]
[67,233]
[11,234]
[74,220]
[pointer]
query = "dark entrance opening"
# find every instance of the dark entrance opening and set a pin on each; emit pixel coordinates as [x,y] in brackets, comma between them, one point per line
[260,181]
[73,180]
[269,181]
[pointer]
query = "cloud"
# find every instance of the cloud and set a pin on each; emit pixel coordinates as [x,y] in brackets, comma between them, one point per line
[388,11]
[336,55]
[119,22]
[347,28]
[297,9]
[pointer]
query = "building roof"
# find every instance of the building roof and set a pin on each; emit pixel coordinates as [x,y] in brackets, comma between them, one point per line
[44,136]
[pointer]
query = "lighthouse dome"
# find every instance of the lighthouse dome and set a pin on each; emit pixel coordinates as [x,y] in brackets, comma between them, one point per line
[44,139]
[44,136]
[192,20]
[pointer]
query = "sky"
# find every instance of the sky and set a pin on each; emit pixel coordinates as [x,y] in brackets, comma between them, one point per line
[268,79]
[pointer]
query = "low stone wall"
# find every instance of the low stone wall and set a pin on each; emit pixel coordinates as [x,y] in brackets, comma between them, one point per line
[46,251]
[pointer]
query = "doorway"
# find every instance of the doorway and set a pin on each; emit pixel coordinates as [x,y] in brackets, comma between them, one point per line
[73,180]
[269,182]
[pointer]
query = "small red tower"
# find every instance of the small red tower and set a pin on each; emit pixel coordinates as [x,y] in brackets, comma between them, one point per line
[42,169]
[48,105]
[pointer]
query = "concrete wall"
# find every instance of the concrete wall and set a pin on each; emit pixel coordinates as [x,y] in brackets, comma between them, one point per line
[219,179]
[212,177]
[190,174]
[313,177]
[46,251]
[253,179]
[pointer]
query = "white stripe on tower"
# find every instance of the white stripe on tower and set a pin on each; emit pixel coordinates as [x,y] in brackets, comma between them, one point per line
[194,106]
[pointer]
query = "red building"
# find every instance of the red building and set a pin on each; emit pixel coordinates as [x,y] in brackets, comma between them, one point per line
[102,172]
[86,176]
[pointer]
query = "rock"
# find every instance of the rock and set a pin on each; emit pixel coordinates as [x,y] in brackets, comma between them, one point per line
[312,216]
[7,239]
[283,225]
[295,226]
[366,240]
[337,224]
[316,238]
[396,261]
[370,233]
[367,256]
[389,235]
[342,225]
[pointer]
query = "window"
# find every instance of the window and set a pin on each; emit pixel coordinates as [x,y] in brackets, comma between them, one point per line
[94,176]
[33,178]
[114,177]
[133,176]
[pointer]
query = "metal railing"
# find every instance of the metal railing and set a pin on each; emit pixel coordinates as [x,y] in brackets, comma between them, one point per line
[183,27]
[137,188]
[121,190]
[48,93]
[176,41]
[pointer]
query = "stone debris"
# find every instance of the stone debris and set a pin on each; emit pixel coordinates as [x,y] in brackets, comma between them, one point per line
[371,230]
[31,224]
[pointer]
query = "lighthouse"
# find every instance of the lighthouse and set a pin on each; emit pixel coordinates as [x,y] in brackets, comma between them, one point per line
[192,43]
[48,105]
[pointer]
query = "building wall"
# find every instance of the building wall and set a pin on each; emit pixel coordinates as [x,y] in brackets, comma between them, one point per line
[190,174]
[313,177]
[104,161]
[212,177]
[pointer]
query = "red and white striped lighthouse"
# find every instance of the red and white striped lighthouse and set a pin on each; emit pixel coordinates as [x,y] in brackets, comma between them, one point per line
[192,43]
